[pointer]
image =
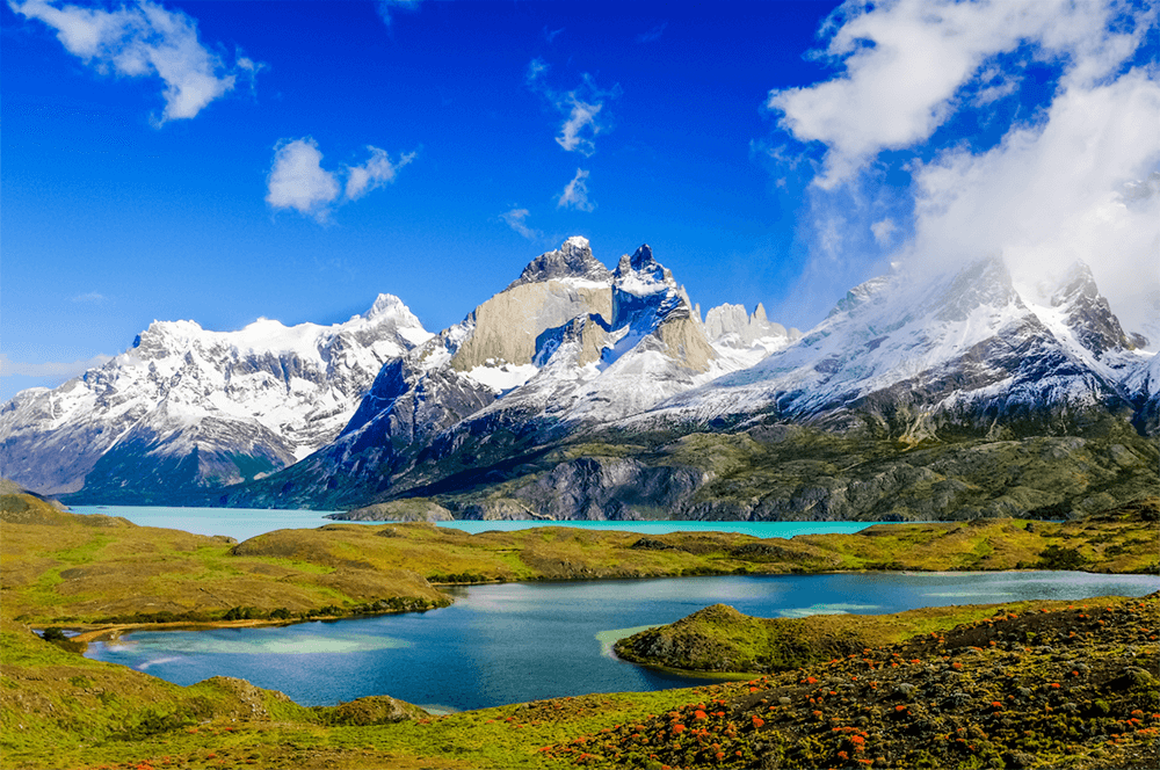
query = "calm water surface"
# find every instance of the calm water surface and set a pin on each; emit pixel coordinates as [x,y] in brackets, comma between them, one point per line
[244,523]
[518,642]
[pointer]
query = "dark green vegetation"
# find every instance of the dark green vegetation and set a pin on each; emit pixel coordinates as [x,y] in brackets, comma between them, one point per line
[58,709]
[1048,685]
[871,470]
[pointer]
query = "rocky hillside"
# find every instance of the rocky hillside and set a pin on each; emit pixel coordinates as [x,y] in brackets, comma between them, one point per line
[949,397]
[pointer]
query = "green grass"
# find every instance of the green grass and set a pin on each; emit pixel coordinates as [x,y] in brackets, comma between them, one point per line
[58,709]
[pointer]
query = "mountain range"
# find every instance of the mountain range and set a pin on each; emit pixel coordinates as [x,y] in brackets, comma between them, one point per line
[580,392]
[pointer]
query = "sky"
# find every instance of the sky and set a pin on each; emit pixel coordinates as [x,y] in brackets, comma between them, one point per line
[225,161]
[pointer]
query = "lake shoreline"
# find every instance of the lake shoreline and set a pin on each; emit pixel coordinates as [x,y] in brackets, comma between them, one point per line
[101,632]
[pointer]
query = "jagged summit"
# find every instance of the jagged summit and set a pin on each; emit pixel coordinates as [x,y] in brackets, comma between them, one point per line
[1087,312]
[571,352]
[573,260]
[915,353]
[641,273]
[208,407]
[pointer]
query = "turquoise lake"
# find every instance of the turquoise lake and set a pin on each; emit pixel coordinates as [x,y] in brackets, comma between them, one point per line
[519,642]
[244,523]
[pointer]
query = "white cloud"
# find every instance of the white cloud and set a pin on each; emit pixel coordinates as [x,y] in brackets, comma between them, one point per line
[515,219]
[583,116]
[904,62]
[144,40]
[90,296]
[376,172]
[883,229]
[653,34]
[298,181]
[575,194]
[62,371]
[1078,180]
[581,106]
[1077,187]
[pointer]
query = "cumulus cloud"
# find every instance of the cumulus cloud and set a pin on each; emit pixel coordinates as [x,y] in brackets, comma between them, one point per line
[883,229]
[144,40]
[905,61]
[298,181]
[1072,173]
[581,107]
[516,220]
[575,194]
[376,172]
[1079,187]
[61,371]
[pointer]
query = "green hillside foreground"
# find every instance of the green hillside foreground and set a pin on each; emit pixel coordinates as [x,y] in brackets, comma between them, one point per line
[59,709]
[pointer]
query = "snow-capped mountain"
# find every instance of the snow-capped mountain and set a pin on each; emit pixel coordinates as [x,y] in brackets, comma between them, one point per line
[569,343]
[907,354]
[584,392]
[186,407]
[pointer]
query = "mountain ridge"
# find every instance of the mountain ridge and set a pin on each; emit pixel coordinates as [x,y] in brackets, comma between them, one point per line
[584,392]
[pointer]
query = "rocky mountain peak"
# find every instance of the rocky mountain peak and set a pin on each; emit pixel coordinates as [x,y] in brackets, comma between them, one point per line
[572,260]
[730,325]
[641,269]
[1087,313]
[386,305]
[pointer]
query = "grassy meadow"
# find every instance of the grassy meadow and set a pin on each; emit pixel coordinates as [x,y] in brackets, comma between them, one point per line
[102,575]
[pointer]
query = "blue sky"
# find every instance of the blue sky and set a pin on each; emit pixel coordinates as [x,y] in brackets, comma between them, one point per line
[224,161]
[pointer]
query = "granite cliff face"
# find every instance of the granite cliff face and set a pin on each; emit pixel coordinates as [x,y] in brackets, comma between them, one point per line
[949,397]
[566,346]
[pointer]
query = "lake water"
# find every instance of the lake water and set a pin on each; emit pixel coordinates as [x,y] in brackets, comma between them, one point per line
[519,642]
[244,523]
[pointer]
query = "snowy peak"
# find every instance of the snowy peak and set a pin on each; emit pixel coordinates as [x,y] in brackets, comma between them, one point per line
[986,283]
[731,326]
[573,260]
[268,392]
[1087,313]
[641,274]
[912,352]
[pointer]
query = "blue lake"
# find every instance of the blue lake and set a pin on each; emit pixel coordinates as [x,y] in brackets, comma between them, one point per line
[518,642]
[244,523]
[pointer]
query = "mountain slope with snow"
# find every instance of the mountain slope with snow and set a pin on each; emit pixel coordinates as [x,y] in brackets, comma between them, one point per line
[185,407]
[581,391]
[569,343]
[949,397]
[908,356]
